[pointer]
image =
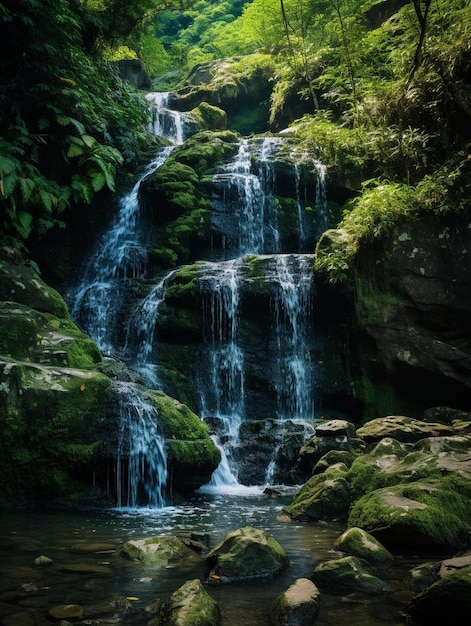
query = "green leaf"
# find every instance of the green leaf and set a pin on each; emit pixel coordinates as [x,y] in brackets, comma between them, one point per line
[74,151]
[7,166]
[88,140]
[24,222]
[98,181]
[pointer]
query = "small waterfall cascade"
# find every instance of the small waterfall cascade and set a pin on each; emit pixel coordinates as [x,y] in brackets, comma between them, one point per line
[222,396]
[96,305]
[119,256]
[141,330]
[170,125]
[292,303]
[141,462]
[243,213]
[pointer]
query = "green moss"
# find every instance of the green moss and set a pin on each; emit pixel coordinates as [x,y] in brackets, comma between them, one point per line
[247,553]
[51,423]
[444,521]
[177,420]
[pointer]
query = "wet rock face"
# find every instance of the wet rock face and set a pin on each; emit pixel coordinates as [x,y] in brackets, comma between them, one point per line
[428,336]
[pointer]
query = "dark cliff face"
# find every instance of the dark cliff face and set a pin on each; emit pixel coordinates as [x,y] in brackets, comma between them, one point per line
[401,337]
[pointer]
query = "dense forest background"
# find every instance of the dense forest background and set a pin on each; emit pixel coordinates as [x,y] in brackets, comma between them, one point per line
[382,92]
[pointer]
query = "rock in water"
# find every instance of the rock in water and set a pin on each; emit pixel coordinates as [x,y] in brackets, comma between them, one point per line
[190,605]
[298,605]
[245,554]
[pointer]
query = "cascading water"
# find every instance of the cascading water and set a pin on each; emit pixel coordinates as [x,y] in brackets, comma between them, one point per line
[96,306]
[222,395]
[141,330]
[243,204]
[120,255]
[141,462]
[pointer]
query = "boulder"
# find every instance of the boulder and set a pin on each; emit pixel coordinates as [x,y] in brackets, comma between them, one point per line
[331,458]
[324,497]
[159,551]
[72,612]
[424,515]
[346,574]
[336,428]
[391,462]
[191,454]
[401,428]
[298,605]
[448,600]
[357,542]
[245,554]
[190,605]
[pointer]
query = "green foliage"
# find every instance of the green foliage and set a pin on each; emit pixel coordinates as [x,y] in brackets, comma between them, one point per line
[67,121]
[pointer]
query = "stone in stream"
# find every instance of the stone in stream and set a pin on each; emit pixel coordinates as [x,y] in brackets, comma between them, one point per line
[67,612]
[245,554]
[357,542]
[190,605]
[298,605]
[346,574]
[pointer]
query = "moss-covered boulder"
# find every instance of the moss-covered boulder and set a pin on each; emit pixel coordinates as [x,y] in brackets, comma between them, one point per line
[52,419]
[401,428]
[424,515]
[447,600]
[245,554]
[190,605]
[298,605]
[333,457]
[28,334]
[391,462]
[346,574]
[357,542]
[158,551]
[191,454]
[338,435]
[19,283]
[323,497]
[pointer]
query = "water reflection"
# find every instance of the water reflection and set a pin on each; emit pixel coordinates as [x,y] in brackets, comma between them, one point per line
[101,575]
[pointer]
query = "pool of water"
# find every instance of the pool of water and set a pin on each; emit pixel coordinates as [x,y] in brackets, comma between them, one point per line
[60,536]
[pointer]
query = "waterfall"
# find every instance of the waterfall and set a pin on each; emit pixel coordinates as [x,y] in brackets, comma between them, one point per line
[222,397]
[141,331]
[170,125]
[119,255]
[292,303]
[141,462]
[96,305]
[243,204]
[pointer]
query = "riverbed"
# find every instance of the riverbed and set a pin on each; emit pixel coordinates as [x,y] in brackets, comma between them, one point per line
[94,579]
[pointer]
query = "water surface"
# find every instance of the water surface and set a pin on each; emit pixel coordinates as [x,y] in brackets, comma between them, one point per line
[27,535]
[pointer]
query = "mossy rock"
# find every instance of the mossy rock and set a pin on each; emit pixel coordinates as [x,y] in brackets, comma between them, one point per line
[425,515]
[192,455]
[298,605]
[211,117]
[391,462]
[332,458]
[19,283]
[158,551]
[447,600]
[190,605]
[53,419]
[324,497]
[245,554]
[27,334]
[357,542]
[404,429]
[347,574]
